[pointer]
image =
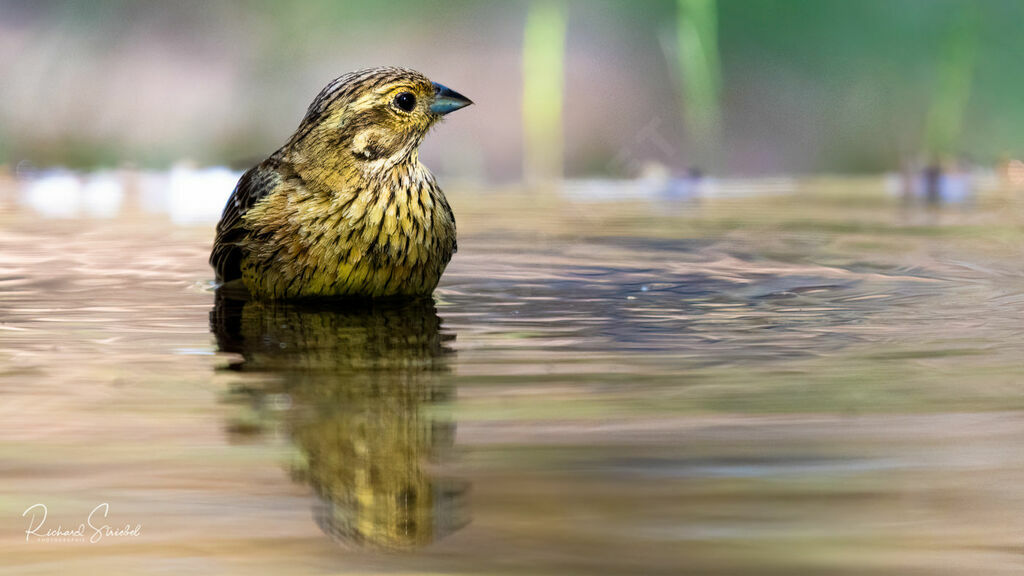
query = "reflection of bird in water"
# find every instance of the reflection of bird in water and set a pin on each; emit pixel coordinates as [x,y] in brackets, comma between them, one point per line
[359,378]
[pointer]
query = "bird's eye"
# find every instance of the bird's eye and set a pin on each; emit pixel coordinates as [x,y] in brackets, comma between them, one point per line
[406,101]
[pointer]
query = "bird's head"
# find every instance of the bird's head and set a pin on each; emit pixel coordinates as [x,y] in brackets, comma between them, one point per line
[373,118]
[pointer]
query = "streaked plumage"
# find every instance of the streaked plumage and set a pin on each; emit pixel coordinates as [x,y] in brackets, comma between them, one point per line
[345,208]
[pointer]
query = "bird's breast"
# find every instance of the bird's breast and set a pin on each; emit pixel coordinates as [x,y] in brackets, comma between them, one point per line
[391,238]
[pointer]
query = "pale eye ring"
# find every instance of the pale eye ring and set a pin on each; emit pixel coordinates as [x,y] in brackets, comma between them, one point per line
[405,101]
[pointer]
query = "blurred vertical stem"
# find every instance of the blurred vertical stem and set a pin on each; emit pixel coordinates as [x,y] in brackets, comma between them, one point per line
[699,76]
[953,79]
[543,87]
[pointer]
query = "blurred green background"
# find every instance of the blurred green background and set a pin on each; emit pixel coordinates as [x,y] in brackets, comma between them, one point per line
[573,88]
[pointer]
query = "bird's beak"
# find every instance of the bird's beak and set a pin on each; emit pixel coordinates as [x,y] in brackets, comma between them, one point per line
[447,100]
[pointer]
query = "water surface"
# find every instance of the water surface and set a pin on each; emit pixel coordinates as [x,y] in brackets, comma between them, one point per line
[824,379]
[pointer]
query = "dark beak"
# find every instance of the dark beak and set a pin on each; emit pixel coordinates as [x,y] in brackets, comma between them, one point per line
[447,100]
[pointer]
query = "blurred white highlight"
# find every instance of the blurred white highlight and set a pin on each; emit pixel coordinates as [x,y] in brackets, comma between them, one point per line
[191,196]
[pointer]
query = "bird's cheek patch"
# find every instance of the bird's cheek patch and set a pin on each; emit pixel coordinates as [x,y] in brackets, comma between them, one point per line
[371,144]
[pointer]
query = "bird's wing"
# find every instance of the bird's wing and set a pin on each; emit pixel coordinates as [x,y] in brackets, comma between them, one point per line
[254,185]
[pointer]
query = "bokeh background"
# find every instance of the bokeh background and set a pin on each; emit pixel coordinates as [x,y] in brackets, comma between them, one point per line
[580,88]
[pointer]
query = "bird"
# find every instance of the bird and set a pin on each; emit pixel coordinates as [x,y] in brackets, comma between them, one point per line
[345,209]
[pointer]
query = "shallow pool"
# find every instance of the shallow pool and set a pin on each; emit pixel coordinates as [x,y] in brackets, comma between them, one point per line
[806,377]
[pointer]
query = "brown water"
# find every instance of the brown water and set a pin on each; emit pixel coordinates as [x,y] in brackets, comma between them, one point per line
[826,380]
